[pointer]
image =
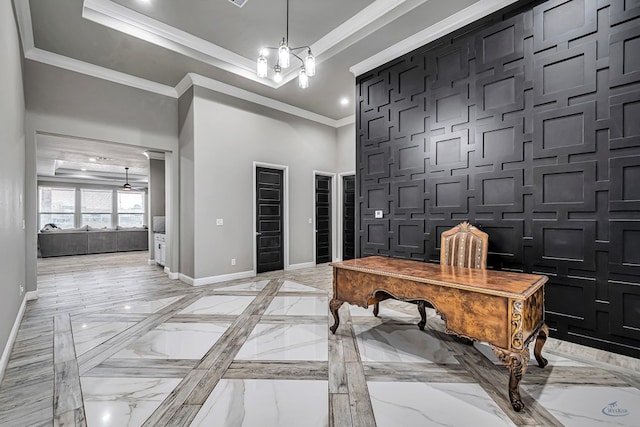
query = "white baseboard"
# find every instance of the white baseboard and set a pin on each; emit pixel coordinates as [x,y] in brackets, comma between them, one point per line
[172,276]
[12,338]
[301,265]
[215,279]
[32,295]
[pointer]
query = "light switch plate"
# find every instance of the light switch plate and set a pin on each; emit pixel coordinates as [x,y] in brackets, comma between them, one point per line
[378,214]
[219,221]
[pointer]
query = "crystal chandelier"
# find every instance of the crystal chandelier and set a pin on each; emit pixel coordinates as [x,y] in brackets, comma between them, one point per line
[284,52]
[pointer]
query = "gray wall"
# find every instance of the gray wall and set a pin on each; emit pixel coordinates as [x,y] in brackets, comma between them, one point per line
[67,103]
[229,136]
[12,168]
[156,188]
[186,125]
[346,155]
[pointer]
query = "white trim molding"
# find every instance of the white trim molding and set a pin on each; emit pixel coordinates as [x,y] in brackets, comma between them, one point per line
[32,295]
[172,276]
[201,281]
[448,25]
[12,338]
[301,265]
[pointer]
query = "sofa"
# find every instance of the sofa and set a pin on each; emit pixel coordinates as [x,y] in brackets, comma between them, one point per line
[86,240]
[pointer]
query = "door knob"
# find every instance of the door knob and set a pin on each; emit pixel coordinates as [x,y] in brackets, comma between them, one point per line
[258,233]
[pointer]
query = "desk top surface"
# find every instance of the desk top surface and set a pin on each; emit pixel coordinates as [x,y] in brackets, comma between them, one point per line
[504,283]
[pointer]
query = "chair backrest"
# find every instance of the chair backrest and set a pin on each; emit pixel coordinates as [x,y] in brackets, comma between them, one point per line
[464,246]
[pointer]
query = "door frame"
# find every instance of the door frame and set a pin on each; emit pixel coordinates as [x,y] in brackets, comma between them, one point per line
[341,175]
[333,213]
[285,212]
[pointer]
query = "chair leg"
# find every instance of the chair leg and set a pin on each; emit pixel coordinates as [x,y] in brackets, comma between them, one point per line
[376,308]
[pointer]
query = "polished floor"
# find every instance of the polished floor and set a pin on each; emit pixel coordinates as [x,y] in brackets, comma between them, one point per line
[112,342]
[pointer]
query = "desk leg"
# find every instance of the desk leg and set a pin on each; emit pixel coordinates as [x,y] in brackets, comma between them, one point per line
[517,364]
[543,333]
[334,305]
[423,315]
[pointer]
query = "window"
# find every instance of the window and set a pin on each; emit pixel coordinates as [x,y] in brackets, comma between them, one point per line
[96,208]
[130,209]
[57,206]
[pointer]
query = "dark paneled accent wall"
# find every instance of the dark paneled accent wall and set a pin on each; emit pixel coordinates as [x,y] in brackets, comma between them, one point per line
[528,125]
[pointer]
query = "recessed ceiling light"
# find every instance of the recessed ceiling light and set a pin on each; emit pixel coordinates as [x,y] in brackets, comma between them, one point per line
[344,101]
[92,159]
[83,169]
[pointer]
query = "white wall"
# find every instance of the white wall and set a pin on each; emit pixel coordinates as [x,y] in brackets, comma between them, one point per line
[65,103]
[12,176]
[230,135]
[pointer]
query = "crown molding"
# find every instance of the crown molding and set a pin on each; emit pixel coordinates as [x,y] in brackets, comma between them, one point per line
[236,92]
[346,121]
[23,13]
[103,73]
[125,20]
[136,24]
[448,25]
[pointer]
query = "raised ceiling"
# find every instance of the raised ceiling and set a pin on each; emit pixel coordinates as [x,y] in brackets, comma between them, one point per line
[164,46]
[157,44]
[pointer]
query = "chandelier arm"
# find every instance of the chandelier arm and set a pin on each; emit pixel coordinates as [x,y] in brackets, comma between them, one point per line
[294,54]
[300,47]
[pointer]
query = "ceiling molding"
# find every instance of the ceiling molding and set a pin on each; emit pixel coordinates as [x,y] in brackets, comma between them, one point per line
[236,92]
[136,24]
[448,25]
[346,121]
[82,67]
[23,13]
[125,20]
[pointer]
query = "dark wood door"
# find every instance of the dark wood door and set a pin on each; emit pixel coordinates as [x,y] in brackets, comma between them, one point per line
[269,219]
[323,219]
[348,217]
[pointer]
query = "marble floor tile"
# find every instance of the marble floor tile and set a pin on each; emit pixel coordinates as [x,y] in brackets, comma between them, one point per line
[87,335]
[586,406]
[553,359]
[123,401]
[286,342]
[265,403]
[298,306]
[218,304]
[400,343]
[175,341]
[289,286]
[145,307]
[249,286]
[436,404]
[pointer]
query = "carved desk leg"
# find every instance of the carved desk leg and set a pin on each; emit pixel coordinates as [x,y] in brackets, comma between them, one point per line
[423,315]
[376,308]
[334,305]
[543,333]
[517,363]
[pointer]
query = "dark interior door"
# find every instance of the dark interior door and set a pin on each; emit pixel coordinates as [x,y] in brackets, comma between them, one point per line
[269,220]
[323,219]
[348,217]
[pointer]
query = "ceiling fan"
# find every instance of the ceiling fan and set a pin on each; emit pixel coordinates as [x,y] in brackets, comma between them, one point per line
[127,186]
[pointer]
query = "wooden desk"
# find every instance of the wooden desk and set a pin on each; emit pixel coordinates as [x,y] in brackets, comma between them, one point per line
[502,308]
